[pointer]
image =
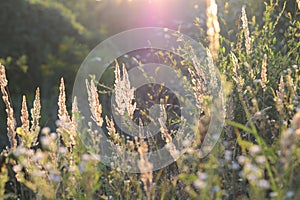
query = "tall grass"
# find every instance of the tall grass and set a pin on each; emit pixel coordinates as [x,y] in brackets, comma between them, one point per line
[256,158]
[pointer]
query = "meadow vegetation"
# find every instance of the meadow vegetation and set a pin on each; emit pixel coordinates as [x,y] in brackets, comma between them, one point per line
[257,156]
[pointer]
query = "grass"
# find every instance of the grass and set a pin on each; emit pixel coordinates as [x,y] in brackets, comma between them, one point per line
[257,156]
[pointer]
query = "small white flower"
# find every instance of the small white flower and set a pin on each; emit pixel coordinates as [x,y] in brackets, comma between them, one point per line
[242,160]
[235,166]
[228,155]
[273,194]
[186,143]
[45,130]
[53,136]
[45,141]
[85,157]
[260,159]
[255,149]
[62,150]
[263,183]
[38,156]
[202,175]
[199,184]
[290,194]
[17,168]
[295,66]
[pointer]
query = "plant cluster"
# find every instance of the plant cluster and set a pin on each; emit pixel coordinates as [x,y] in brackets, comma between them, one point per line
[258,156]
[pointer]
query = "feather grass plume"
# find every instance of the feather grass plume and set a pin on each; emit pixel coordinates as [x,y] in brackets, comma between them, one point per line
[146,168]
[63,115]
[199,84]
[24,116]
[246,31]
[11,133]
[95,106]
[36,113]
[280,95]
[74,113]
[264,74]
[213,27]
[124,92]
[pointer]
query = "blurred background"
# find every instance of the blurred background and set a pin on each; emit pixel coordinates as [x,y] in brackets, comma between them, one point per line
[44,40]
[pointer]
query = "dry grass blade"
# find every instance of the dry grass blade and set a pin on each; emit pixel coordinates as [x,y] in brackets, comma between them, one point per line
[11,133]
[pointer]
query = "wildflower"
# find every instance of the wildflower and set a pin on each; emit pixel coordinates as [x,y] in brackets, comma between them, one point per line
[201,180]
[20,150]
[252,172]
[45,141]
[290,193]
[17,168]
[62,150]
[260,159]
[228,155]
[38,173]
[45,130]
[257,81]
[39,155]
[263,184]
[273,194]
[235,166]
[255,149]
[295,66]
